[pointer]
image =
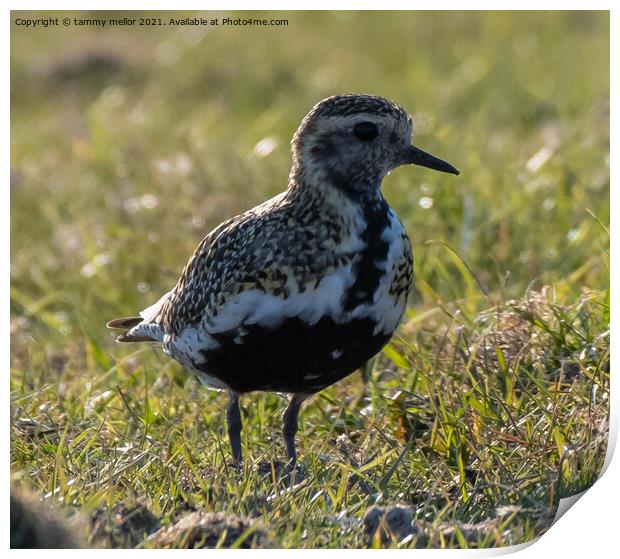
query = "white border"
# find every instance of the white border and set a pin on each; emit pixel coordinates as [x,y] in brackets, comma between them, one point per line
[587,529]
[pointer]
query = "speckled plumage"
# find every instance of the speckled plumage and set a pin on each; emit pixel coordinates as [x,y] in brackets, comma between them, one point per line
[298,292]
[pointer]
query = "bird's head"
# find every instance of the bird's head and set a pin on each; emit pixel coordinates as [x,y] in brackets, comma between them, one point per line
[353,141]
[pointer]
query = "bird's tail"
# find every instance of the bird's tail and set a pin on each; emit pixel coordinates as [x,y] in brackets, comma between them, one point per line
[143,328]
[124,323]
[137,330]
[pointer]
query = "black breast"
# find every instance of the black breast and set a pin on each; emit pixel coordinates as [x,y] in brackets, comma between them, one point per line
[295,356]
[367,275]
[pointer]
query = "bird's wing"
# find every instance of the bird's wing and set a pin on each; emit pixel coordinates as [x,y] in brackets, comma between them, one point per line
[253,269]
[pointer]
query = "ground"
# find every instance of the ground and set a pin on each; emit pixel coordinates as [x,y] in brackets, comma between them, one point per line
[489,405]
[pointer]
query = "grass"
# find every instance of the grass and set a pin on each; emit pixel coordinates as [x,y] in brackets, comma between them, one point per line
[489,405]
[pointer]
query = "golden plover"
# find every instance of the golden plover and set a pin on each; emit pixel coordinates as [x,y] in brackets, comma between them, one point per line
[300,291]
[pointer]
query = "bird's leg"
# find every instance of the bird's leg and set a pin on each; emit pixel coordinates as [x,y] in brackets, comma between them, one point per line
[289,424]
[233,418]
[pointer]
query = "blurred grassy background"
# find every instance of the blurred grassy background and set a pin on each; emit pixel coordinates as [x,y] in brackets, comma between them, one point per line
[129,144]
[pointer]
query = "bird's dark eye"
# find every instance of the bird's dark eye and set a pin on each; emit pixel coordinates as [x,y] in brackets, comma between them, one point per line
[366,131]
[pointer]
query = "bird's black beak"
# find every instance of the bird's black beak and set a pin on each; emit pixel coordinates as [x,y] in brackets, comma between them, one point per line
[416,156]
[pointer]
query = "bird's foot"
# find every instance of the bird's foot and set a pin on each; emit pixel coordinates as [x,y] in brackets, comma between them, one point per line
[281,470]
[235,465]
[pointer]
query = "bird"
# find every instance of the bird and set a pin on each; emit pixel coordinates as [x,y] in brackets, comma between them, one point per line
[300,291]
